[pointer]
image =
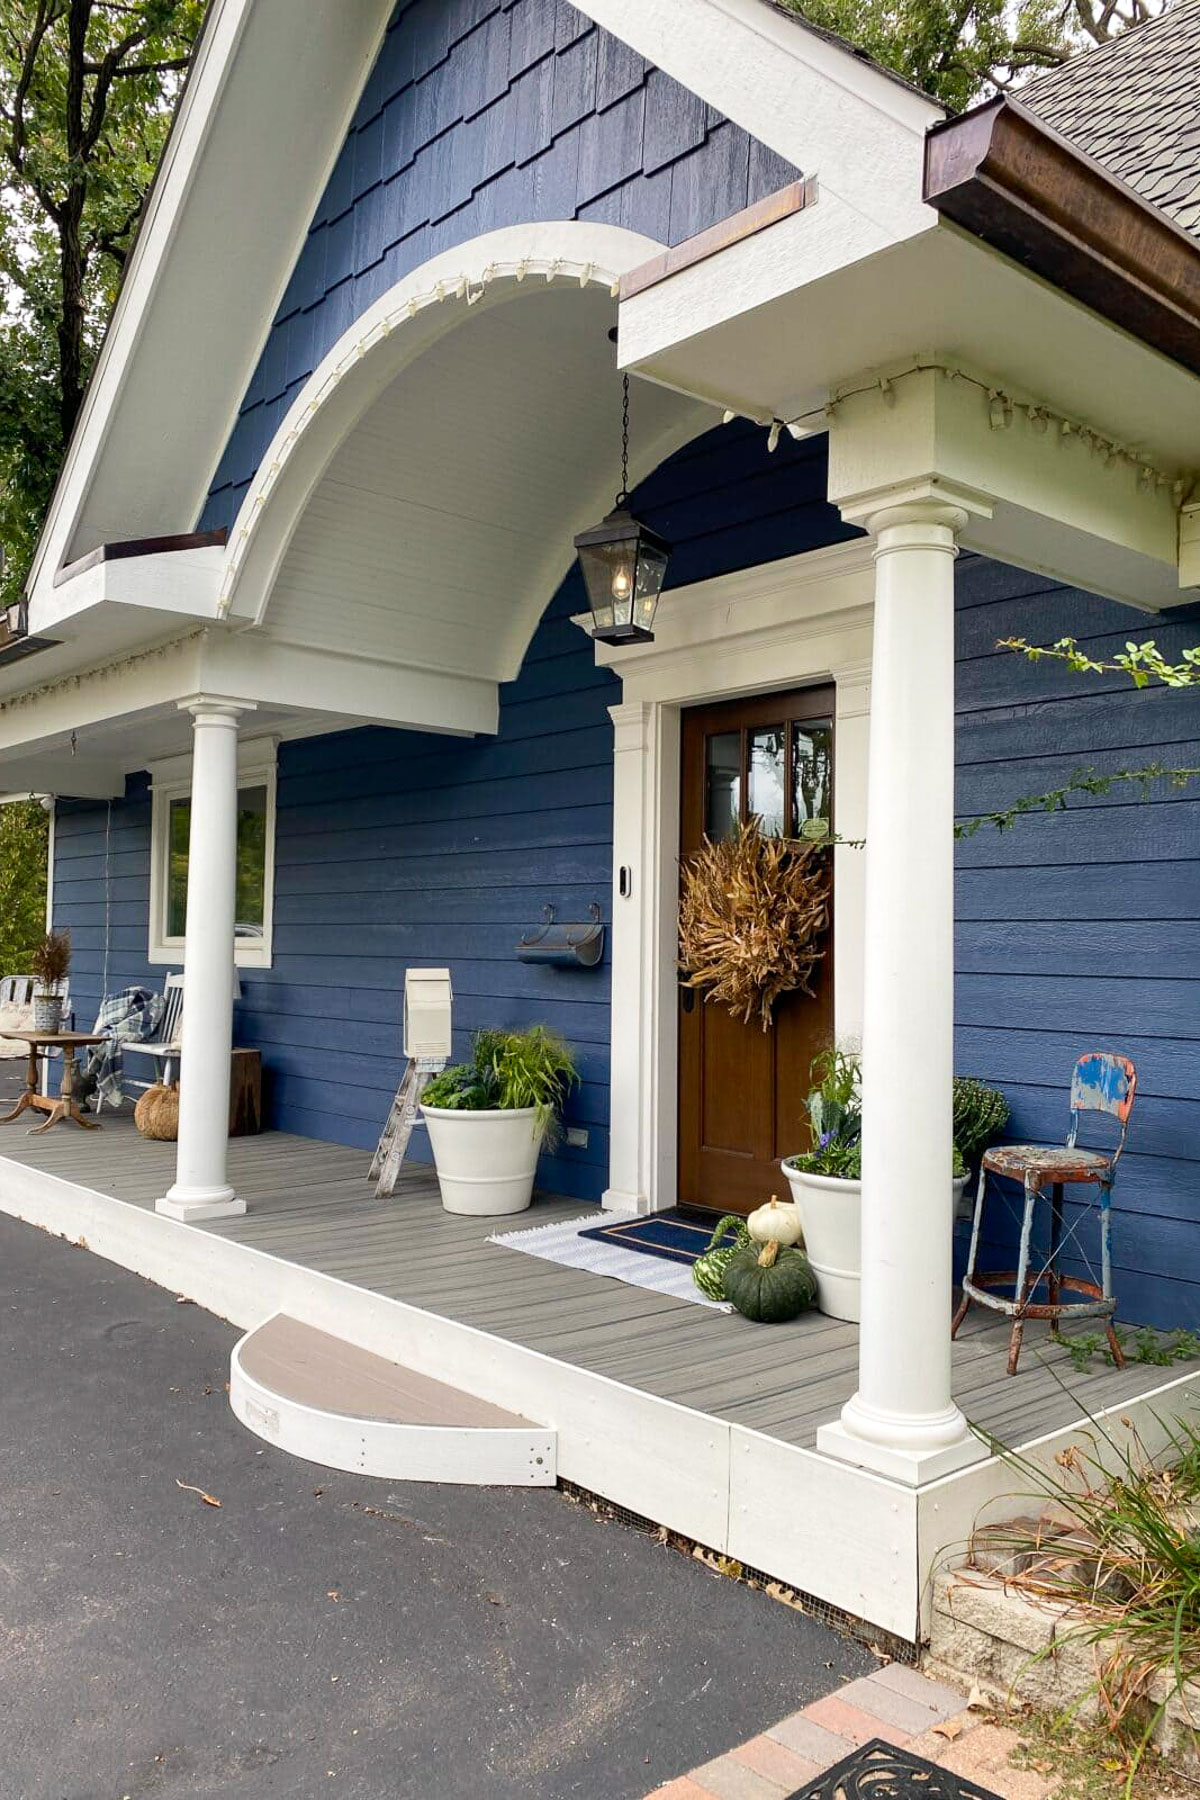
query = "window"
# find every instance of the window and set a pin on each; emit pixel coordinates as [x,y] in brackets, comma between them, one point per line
[170,828]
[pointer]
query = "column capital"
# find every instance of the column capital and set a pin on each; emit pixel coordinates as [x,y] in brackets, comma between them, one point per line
[219,706]
[930,502]
[631,725]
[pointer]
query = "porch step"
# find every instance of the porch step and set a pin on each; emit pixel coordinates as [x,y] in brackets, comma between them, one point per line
[332,1403]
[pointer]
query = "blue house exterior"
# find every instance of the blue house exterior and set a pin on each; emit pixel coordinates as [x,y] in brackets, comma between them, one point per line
[1076,929]
[308,668]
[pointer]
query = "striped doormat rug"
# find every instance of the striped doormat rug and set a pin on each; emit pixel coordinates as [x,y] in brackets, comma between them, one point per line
[655,1252]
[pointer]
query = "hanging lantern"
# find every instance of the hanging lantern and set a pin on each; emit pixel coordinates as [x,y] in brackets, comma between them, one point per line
[624,564]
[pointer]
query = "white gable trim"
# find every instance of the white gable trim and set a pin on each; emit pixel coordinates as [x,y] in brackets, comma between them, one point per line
[835,116]
[210,264]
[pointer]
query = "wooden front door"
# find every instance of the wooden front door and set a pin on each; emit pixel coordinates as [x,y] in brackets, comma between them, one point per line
[742,1089]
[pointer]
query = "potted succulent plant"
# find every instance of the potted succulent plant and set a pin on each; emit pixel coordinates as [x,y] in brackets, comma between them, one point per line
[489,1119]
[49,963]
[826,1181]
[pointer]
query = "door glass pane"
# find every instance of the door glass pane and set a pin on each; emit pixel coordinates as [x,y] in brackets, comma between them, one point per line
[767,747]
[723,784]
[812,774]
[251,863]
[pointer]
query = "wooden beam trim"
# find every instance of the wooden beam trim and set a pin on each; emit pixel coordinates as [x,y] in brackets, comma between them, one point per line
[740,225]
[153,546]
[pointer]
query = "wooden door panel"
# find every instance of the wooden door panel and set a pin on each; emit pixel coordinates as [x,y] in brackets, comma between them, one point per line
[742,1089]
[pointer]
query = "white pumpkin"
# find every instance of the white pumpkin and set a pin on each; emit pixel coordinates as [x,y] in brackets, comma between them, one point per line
[778,1222]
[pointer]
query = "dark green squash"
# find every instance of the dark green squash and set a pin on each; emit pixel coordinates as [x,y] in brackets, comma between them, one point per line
[773,1290]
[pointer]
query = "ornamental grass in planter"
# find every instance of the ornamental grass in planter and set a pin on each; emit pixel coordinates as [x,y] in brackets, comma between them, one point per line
[489,1119]
[826,1181]
[49,964]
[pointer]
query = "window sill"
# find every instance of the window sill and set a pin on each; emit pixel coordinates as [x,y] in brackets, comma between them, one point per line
[247,954]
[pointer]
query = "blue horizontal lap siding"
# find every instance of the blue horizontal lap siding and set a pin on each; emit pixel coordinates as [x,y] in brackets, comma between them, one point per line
[1081,930]
[480,114]
[1075,931]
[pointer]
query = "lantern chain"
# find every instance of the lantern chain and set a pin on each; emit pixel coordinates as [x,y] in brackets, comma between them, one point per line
[623,496]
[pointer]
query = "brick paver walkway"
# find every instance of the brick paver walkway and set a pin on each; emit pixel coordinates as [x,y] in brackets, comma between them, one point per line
[896,1704]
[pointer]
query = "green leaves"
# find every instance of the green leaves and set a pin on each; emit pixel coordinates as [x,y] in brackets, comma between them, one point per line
[24,829]
[960,50]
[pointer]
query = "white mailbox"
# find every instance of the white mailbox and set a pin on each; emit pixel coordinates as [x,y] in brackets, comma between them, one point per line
[427,999]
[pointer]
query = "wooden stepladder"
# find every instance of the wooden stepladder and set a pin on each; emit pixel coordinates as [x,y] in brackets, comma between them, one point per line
[389,1153]
[427,1003]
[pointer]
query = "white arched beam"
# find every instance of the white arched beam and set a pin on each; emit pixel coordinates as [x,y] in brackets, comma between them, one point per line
[388,339]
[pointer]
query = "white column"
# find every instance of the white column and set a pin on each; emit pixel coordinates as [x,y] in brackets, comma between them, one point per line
[852,721]
[202,1189]
[642,1091]
[903,1421]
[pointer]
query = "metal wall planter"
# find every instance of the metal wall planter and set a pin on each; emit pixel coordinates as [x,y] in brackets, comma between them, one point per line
[569,946]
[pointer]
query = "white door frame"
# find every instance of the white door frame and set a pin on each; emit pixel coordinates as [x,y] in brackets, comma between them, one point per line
[805,620]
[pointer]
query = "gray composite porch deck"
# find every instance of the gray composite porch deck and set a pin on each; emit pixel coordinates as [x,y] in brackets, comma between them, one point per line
[309,1203]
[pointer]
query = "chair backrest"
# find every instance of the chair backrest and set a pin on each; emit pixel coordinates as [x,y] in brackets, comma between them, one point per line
[1103,1083]
[172,1019]
[16,990]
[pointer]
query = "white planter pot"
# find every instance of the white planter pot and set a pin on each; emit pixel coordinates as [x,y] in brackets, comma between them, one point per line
[831,1210]
[485,1160]
[832,1213]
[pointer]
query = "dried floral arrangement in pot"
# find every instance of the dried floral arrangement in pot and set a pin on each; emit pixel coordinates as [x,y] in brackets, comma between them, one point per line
[752,916]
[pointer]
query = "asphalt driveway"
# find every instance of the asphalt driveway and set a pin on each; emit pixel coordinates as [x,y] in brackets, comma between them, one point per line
[321,1634]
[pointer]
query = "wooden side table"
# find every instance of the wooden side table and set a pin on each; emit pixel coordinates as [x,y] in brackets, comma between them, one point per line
[63,1105]
[245,1093]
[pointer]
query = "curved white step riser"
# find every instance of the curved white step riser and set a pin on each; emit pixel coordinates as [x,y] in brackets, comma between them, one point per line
[477,1456]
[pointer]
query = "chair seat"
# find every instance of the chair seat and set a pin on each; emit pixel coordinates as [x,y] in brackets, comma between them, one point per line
[1047,1162]
[151,1049]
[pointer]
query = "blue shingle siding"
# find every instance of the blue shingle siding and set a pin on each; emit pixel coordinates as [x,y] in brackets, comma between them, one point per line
[1076,931]
[477,115]
[1081,930]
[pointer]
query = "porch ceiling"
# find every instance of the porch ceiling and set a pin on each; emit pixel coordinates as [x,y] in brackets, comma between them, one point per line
[783,350]
[741,329]
[443,522]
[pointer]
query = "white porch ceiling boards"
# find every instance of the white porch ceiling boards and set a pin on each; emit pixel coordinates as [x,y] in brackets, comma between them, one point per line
[444,522]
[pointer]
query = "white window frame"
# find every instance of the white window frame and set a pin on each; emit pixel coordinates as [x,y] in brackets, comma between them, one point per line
[173,781]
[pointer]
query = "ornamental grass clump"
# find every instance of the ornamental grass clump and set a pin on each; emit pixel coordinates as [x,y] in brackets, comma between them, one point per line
[753,914]
[509,1070]
[1119,1545]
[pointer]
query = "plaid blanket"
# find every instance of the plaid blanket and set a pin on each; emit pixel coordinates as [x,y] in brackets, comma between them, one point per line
[130,1017]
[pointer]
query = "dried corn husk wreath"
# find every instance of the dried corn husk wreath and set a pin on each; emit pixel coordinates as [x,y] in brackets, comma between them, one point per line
[751,917]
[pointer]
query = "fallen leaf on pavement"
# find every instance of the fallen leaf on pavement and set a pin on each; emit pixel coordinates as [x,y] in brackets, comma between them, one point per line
[977,1700]
[208,1499]
[949,1729]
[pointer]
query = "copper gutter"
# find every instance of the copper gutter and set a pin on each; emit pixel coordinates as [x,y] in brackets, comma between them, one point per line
[1006,177]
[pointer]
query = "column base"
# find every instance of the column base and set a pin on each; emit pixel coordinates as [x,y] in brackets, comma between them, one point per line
[193,1205]
[618,1200]
[913,1464]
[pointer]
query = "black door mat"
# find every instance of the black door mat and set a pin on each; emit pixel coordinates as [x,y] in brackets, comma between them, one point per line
[879,1771]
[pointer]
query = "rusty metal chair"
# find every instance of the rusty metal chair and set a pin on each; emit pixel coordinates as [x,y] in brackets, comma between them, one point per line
[1102,1083]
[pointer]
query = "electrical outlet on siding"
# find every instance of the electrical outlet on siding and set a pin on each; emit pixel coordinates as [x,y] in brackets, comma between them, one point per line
[577,1137]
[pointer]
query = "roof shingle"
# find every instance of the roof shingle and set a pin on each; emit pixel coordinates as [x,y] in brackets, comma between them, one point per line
[1134,105]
